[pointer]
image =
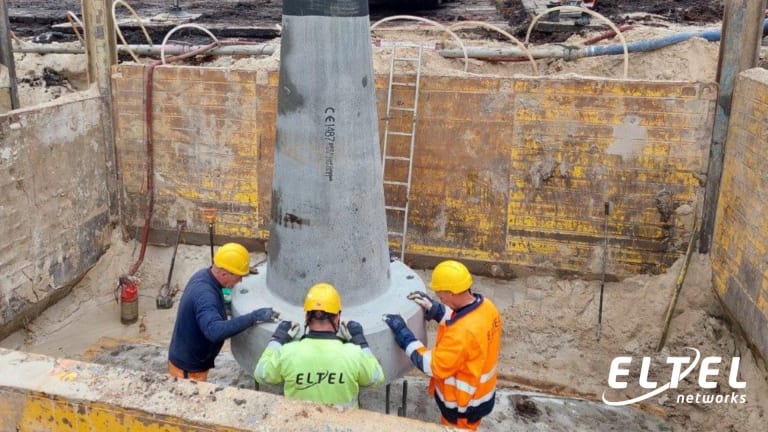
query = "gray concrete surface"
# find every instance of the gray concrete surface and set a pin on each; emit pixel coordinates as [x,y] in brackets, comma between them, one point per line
[515,410]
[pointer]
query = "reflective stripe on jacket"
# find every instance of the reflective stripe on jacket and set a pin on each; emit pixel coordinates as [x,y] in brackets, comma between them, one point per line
[320,368]
[462,364]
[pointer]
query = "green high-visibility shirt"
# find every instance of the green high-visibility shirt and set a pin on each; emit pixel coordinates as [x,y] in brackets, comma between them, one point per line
[320,368]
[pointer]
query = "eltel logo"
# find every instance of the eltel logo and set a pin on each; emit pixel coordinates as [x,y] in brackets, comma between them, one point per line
[707,369]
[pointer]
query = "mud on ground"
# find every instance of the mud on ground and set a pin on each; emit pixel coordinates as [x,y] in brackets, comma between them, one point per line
[685,12]
[39,15]
[621,11]
[679,11]
[30,18]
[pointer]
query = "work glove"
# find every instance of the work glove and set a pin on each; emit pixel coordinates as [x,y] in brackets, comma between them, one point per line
[285,332]
[352,331]
[392,256]
[403,335]
[433,310]
[265,315]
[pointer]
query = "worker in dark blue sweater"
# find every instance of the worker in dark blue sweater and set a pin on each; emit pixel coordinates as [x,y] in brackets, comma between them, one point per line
[201,322]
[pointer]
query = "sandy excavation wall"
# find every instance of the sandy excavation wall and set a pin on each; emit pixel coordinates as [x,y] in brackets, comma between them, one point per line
[54,209]
[739,251]
[512,171]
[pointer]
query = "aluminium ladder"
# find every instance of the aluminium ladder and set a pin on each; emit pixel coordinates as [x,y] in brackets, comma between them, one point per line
[409,114]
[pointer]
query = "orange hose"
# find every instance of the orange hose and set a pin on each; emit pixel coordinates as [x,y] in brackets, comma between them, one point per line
[607,34]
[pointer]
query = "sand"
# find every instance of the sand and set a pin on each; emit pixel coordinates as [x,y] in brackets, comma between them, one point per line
[549,342]
[45,77]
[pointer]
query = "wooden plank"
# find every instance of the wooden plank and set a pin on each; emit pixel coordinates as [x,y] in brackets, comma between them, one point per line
[220,29]
[25,15]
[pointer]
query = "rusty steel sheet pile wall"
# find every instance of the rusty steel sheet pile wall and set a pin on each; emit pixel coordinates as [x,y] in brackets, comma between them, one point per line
[54,211]
[642,147]
[506,170]
[740,241]
[214,133]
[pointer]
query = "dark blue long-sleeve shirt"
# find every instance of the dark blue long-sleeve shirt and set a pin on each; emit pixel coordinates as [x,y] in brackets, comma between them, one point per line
[202,325]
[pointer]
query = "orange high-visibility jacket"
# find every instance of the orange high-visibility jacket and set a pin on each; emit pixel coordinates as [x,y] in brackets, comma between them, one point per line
[462,364]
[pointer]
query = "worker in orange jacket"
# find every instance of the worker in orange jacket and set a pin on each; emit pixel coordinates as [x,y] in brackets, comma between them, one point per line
[462,364]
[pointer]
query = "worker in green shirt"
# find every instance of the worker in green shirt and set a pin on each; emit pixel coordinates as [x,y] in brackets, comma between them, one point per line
[321,366]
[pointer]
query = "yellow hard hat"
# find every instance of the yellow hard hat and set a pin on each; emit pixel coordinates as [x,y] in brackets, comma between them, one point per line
[451,276]
[323,297]
[232,257]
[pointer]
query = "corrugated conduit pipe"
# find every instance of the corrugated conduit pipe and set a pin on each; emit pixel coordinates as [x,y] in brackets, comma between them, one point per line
[594,14]
[650,45]
[465,24]
[572,53]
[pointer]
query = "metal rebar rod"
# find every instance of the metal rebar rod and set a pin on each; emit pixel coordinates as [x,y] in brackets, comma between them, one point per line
[602,273]
[678,285]
[387,388]
[404,408]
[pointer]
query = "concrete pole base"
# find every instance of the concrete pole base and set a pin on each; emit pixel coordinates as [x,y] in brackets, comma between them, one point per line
[253,293]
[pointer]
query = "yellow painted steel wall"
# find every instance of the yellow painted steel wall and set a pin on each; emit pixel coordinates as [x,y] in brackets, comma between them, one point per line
[45,394]
[41,412]
[506,170]
[739,248]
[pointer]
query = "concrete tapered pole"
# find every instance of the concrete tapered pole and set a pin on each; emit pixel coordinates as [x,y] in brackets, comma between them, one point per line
[328,220]
[327,193]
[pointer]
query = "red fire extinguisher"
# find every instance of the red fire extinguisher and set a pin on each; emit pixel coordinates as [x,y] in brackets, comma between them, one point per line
[129,298]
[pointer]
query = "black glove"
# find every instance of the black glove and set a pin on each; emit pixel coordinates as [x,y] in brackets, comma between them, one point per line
[352,331]
[264,315]
[433,310]
[395,322]
[403,335]
[285,332]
